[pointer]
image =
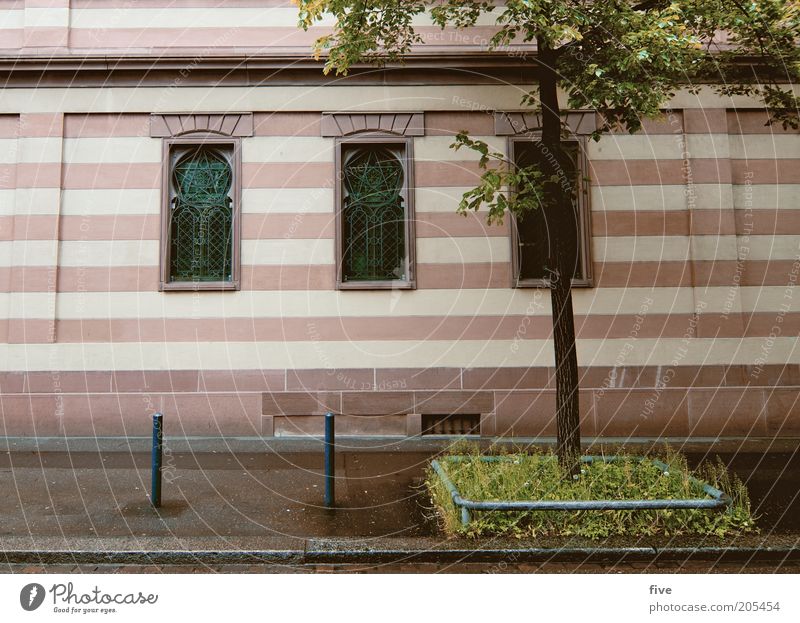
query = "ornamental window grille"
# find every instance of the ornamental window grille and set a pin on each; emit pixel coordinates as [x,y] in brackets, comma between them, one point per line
[534,230]
[374,215]
[201,215]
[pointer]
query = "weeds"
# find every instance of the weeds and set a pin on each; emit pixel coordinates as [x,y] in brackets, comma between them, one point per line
[537,476]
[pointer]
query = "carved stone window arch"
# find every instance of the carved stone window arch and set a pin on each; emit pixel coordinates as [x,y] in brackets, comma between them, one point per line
[375,244]
[201,199]
[350,124]
[238,125]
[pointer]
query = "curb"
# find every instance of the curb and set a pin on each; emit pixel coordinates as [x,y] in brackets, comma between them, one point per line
[384,556]
[373,443]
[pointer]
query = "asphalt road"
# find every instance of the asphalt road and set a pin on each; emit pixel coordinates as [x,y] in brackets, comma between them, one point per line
[694,567]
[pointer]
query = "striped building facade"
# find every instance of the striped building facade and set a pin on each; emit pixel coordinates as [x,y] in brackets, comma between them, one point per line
[689,327]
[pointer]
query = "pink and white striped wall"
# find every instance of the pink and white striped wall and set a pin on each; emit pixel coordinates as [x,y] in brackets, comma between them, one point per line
[691,328]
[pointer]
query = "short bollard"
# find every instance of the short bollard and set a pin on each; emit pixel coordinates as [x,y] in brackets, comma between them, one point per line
[158,441]
[330,467]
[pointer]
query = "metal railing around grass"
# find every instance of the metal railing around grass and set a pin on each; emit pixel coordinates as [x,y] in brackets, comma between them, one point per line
[716,499]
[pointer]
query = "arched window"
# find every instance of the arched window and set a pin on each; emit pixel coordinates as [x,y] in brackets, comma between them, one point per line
[201,215]
[533,231]
[374,215]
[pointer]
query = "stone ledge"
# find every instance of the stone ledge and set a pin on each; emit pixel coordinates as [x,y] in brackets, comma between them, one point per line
[369,402]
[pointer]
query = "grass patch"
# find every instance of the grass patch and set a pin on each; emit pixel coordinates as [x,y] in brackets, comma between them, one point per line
[537,476]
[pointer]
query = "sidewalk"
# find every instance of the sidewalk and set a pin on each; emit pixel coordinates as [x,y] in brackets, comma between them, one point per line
[212,494]
[262,503]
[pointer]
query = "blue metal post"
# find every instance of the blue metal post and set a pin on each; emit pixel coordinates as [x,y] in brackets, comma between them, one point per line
[158,441]
[330,457]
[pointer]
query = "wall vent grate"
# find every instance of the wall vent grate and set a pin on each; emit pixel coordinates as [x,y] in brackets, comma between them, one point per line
[455,424]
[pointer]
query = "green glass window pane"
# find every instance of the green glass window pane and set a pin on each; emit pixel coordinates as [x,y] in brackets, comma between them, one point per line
[534,230]
[373,216]
[201,222]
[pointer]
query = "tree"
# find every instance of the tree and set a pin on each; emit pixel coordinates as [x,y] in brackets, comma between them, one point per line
[622,58]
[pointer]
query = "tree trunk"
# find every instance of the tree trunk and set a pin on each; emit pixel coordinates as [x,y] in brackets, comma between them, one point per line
[559,202]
